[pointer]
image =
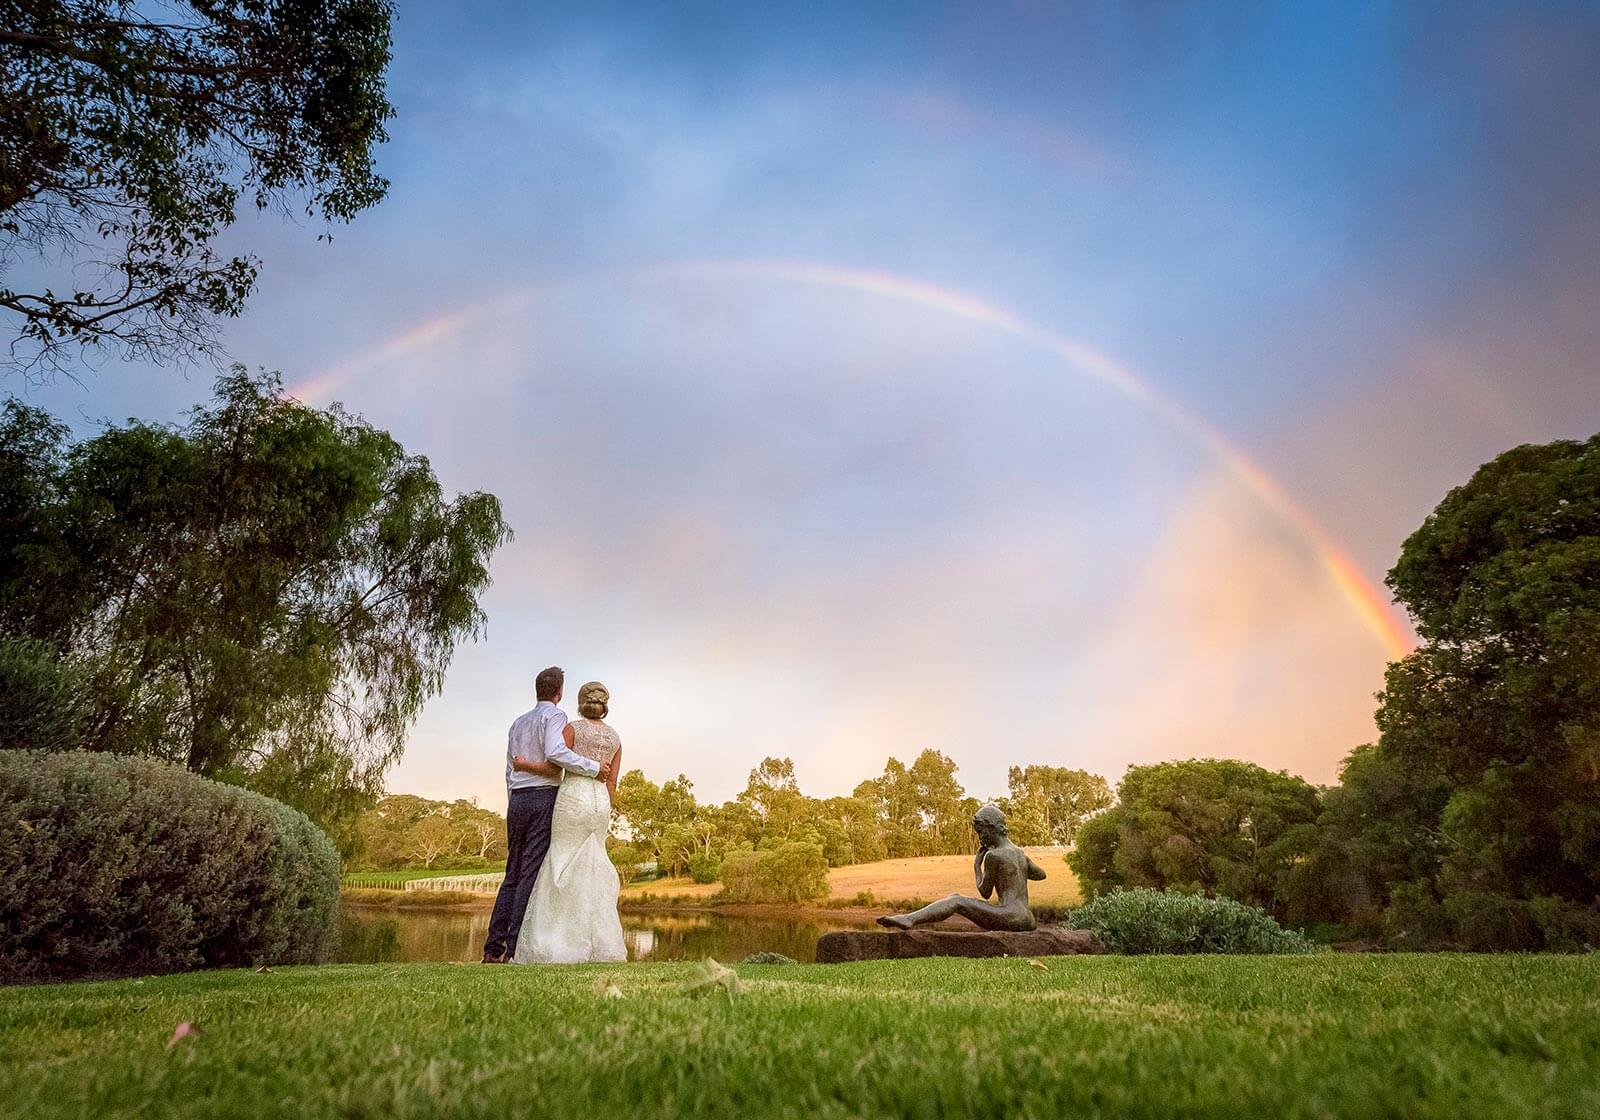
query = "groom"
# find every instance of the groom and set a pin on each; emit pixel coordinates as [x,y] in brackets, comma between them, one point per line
[535,739]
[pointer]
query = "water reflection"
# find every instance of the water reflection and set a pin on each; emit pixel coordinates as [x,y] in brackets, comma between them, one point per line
[373,935]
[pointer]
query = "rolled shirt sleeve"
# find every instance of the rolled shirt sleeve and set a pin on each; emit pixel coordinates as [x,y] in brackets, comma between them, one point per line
[557,751]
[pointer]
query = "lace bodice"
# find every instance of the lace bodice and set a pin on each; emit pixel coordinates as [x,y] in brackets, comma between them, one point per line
[595,740]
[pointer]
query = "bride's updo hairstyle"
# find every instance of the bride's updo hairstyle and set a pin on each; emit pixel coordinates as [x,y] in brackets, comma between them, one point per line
[594,700]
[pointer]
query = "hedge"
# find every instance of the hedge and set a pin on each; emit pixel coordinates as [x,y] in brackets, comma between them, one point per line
[1143,920]
[111,865]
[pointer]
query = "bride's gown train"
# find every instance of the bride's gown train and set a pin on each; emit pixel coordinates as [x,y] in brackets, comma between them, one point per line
[572,913]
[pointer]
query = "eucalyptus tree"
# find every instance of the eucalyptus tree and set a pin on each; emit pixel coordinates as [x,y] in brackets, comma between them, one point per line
[1052,802]
[267,592]
[130,133]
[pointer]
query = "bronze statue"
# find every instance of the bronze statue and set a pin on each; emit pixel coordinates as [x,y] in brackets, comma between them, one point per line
[1000,866]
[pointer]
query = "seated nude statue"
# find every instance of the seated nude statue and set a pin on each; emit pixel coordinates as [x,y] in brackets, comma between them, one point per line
[1000,866]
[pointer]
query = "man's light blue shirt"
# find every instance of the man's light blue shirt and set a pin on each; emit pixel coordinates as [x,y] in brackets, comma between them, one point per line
[536,737]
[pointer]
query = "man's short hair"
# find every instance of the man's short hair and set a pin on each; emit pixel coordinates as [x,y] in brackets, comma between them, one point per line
[547,685]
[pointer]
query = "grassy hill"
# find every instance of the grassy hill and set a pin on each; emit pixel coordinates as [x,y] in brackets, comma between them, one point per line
[926,877]
[1506,1038]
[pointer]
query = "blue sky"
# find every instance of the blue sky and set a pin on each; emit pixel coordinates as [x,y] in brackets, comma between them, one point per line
[1357,241]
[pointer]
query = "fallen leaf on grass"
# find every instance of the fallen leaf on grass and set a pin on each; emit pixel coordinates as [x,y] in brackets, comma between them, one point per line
[710,976]
[263,970]
[180,1032]
[1038,964]
[26,826]
[605,989]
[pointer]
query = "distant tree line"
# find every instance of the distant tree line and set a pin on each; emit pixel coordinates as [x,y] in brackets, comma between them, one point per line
[404,831]
[914,810]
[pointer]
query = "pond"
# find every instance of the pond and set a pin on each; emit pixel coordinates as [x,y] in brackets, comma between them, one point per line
[375,935]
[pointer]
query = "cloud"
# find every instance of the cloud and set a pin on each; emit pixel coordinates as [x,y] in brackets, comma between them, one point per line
[1226,640]
[1231,643]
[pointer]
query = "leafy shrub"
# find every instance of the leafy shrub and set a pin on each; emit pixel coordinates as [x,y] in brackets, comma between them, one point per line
[1150,921]
[43,698]
[110,864]
[794,871]
[703,867]
[765,957]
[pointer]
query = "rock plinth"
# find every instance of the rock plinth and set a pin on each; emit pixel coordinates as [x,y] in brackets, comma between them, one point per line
[861,945]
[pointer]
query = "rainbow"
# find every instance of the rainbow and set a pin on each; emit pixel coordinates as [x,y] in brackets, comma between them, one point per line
[1362,594]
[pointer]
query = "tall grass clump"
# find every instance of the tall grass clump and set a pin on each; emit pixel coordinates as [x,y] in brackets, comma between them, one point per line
[1144,920]
[117,865]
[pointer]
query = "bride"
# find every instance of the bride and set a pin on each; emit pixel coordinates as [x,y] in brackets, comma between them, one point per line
[572,913]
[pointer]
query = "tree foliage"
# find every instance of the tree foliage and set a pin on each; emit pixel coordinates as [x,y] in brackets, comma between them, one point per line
[1207,826]
[1475,819]
[920,809]
[130,132]
[405,831]
[1048,804]
[267,593]
[913,810]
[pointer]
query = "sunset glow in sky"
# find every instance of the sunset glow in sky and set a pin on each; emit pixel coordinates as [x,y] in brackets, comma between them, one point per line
[1036,383]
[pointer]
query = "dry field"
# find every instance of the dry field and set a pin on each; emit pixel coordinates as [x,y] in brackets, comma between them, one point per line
[927,877]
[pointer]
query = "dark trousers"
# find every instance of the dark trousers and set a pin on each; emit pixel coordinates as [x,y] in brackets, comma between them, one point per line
[527,843]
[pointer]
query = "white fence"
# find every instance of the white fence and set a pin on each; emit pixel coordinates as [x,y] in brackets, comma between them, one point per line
[473,884]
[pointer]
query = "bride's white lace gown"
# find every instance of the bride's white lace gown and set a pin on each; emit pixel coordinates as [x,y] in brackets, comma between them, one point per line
[572,913]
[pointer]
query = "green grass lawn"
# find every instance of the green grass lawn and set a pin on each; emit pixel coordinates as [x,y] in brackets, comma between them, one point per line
[1318,1036]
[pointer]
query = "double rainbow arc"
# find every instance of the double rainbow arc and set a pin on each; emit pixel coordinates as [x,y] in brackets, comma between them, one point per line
[1363,596]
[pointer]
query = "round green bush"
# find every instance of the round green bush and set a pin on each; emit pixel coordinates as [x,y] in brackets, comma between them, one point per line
[1143,920]
[703,867]
[114,865]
